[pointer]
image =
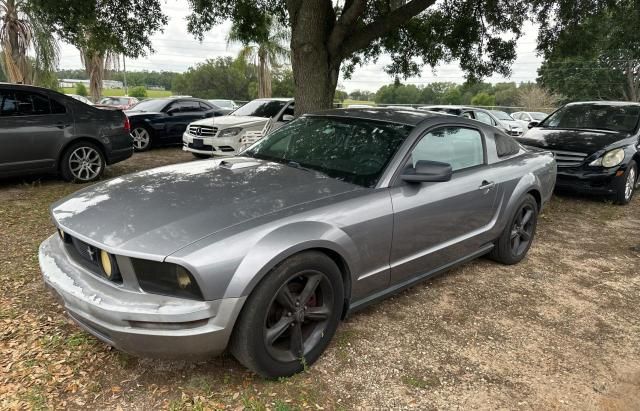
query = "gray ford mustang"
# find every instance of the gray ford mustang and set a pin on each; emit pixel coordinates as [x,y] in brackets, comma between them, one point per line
[264,253]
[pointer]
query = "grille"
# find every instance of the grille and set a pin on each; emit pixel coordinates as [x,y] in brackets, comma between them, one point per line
[203,131]
[87,252]
[201,147]
[568,158]
[225,148]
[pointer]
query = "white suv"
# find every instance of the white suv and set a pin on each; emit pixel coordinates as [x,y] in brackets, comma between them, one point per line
[228,135]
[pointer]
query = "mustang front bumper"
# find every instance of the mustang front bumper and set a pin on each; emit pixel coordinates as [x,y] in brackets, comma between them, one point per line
[136,322]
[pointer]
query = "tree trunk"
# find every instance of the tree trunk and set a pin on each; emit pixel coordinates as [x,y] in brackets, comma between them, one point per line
[315,72]
[264,74]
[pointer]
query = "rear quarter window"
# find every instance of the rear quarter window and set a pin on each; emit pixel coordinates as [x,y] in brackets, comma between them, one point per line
[506,146]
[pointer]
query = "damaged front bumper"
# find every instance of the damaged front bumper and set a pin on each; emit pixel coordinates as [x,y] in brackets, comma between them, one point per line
[133,321]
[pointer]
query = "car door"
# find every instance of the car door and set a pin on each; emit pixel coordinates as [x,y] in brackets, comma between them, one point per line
[180,114]
[437,224]
[32,128]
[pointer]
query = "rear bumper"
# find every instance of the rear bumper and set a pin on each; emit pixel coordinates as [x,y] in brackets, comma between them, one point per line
[135,322]
[115,156]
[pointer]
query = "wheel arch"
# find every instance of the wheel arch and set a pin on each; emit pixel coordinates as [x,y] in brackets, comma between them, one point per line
[285,242]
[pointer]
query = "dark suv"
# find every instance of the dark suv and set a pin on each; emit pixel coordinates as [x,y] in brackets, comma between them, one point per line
[43,131]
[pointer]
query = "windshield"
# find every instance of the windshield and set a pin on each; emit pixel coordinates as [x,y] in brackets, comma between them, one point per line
[538,116]
[353,150]
[150,105]
[501,115]
[222,103]
[260,108]
[595,116]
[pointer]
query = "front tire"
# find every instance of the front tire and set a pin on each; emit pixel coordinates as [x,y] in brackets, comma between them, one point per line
[141,138]
[627,184]
[82,162]
[516,239]
[289,319]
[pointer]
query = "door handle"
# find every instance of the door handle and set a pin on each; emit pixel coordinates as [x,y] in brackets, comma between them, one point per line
[487,185]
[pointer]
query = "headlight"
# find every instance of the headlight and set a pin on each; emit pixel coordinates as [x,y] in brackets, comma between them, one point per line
[230,132]
[610,159]
[109,266]
[166,279]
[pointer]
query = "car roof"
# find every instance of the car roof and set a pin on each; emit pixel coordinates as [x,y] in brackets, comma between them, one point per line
[606,103]
[390,115]
[274,99]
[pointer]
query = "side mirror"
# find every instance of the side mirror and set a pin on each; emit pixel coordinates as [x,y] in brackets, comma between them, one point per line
[287,117]
[533,124]
[428,171]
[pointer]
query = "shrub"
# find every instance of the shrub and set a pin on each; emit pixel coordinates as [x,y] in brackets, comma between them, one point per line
[81,90]
[139,91]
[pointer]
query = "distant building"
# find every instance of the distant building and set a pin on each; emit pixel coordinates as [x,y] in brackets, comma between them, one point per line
[70,83]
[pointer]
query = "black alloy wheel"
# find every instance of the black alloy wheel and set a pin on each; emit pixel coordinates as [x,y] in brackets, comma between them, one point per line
[517,236]
[522,230]
[298,316]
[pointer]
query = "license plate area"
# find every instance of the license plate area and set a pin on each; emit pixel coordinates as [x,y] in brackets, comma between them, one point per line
[198,142]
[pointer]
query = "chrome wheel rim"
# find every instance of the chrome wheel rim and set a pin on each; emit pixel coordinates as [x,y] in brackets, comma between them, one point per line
[629,186]
[140,138]
[85,163]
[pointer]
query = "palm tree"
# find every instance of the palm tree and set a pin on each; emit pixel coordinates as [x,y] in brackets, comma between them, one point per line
[20,32]
[97,63]
[265,54]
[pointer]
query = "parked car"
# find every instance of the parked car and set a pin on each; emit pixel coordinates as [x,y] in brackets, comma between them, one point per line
[162,121]
[479,114]
[515,128]
[121,103]
[266,252]
[596,144]
[225,104]
[228,135]
[81,98]
[526,117]
[43,131]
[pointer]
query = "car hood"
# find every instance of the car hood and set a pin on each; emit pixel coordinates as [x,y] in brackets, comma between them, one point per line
[154,213]
[231,121]
[578,140]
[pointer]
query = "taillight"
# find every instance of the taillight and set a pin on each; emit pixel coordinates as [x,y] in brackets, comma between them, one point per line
[127,124]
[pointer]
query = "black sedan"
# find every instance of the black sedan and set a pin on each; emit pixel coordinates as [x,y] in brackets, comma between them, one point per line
[596,144]
[162,121]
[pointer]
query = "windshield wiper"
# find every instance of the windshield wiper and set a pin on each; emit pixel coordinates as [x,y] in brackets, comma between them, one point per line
[297,165]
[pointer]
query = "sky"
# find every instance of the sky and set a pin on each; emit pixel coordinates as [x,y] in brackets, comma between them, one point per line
[177,50]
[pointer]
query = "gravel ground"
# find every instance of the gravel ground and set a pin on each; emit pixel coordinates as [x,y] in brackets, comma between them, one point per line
[560,330]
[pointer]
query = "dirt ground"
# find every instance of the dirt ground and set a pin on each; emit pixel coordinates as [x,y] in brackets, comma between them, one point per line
[559,331]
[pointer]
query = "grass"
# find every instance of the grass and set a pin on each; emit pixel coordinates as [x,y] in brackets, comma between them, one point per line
[348,101]
[115,92]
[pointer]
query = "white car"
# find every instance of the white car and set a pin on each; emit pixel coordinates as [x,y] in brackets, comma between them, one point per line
[229,135]
[81,98]
[527,117]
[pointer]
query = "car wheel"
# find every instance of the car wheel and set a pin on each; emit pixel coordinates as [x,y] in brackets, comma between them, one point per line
[289,319]
[627,184]
[141,139]
[198,155]
[82,162]
[516,239]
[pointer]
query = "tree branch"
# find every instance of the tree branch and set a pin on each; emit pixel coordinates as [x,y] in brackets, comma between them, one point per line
[391,21]
[350,13]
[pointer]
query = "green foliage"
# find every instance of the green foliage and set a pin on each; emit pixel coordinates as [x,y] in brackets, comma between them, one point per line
[81,90]
[120,26]
[282,84]
[398,94]
[222,77]
[596,56]
[483,99]
[340,95]
[138,91]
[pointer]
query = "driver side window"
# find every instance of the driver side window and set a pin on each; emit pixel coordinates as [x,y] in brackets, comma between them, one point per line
[460,147]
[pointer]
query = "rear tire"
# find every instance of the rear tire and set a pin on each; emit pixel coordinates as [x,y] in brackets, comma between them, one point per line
[290,317]
[142,138]
[82,162]
[626,186]
[516,239]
